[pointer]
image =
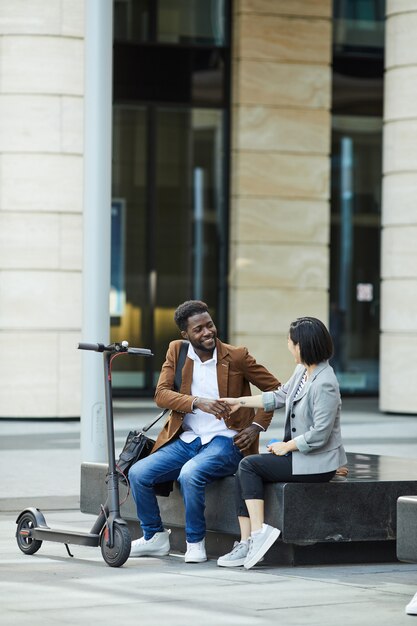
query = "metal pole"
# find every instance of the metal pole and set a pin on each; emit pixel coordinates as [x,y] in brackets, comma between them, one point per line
[198,232]
[97,220]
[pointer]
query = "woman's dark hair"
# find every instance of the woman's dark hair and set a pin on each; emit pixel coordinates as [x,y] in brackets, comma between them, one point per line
[187,310]
[314,339]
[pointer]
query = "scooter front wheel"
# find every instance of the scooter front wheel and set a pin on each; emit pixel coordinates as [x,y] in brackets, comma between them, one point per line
[25,524]
[119,553]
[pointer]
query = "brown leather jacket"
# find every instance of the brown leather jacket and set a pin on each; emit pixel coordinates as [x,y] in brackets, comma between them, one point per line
[236,369]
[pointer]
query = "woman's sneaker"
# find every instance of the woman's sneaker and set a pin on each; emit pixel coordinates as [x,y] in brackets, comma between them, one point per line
[411,608]
[236,557]
[158,545]
[260,544]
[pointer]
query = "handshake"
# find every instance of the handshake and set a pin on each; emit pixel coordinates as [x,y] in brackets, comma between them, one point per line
[221,408]
[224,407]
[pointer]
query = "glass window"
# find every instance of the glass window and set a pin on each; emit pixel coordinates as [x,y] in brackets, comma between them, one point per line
[170,167]
[355,251]
[179,75]
[192,21]
[132,20]
[129,284]
[357,102]
[174,22]
[359,23]
[169,227]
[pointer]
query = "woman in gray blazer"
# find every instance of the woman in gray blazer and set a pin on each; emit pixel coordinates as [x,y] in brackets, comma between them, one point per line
[311,450]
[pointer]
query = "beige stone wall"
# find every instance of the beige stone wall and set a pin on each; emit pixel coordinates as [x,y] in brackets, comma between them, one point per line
[399,212]
[279,260]
[41,166]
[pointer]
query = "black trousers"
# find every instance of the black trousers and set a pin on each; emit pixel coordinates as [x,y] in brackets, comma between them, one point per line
[257,469]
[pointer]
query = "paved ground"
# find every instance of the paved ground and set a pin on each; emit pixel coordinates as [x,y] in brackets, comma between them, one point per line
[39,465]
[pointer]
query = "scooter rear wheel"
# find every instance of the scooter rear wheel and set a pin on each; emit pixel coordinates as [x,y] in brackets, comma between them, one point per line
[119,553]
[26,544]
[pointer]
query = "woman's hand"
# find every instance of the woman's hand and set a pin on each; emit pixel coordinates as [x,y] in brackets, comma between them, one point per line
[234,403]
[281,448]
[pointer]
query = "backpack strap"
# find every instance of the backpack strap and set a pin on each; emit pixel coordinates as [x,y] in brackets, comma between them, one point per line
[180,365]
[177,381]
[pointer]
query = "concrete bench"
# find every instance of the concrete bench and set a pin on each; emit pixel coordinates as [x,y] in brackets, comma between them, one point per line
[407,529]
[351,520]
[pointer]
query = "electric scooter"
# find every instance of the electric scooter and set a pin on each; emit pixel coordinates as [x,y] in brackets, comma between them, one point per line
[109,531]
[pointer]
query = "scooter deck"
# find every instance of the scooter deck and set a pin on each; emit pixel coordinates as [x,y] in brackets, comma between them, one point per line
[65,536]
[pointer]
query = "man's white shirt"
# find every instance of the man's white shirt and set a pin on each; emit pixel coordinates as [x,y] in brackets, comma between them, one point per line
[204,385]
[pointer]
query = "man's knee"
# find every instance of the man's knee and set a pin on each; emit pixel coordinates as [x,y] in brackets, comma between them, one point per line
[139,471]
[190,476]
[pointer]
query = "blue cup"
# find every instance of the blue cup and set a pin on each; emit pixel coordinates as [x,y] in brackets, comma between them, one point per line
[275,441]
[272,441]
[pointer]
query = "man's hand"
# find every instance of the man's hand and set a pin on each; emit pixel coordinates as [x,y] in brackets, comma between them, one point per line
[247,436]
[218,408]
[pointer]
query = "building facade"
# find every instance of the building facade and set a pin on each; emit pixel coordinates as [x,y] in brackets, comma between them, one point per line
[263,161]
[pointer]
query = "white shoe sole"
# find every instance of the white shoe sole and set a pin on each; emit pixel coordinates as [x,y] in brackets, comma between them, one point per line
[255,558]
[195,560]
[156,553]
[236,563]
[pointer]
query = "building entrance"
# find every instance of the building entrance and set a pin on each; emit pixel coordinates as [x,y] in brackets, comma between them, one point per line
[357,103]
[170,172]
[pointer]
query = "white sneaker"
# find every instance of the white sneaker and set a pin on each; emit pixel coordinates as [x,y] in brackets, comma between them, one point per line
[196,552]
[260,545]
[236,557]
[411,608]
[158,545]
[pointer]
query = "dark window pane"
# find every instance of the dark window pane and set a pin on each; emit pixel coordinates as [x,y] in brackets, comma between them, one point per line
[132,20]
[192,21]
[358,66]
[179,75]
[169,227]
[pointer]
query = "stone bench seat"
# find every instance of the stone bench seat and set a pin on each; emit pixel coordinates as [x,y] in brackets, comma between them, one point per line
[407,528]
[346,520]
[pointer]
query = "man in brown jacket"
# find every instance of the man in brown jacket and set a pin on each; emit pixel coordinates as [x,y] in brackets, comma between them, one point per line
[201,440]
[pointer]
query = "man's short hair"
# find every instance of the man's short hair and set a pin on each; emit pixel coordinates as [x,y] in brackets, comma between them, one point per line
[314,339]
[187,310]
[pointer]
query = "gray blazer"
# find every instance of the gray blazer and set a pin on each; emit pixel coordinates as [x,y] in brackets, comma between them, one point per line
[314,419]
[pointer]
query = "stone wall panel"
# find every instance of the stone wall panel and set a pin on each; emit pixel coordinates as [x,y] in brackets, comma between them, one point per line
[312,8]
[41,182]
[288,130]
[41,300]
[275,219]
[273,83]
[284,39]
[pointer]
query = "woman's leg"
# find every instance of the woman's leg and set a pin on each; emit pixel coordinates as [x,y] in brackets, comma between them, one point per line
[244,524]
[256,514]
[256,470]
[253,472]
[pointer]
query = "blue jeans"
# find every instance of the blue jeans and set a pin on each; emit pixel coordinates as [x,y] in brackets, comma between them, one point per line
[194,466]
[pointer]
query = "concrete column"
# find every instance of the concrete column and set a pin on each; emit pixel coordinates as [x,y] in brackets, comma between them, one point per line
[398,345]
[281,123]
[97,220]
[41,182]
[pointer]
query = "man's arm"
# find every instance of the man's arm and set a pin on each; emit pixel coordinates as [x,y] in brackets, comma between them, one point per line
[167,398]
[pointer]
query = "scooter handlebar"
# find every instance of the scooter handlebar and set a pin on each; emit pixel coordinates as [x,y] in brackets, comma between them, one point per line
[96,347]
[120,348]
